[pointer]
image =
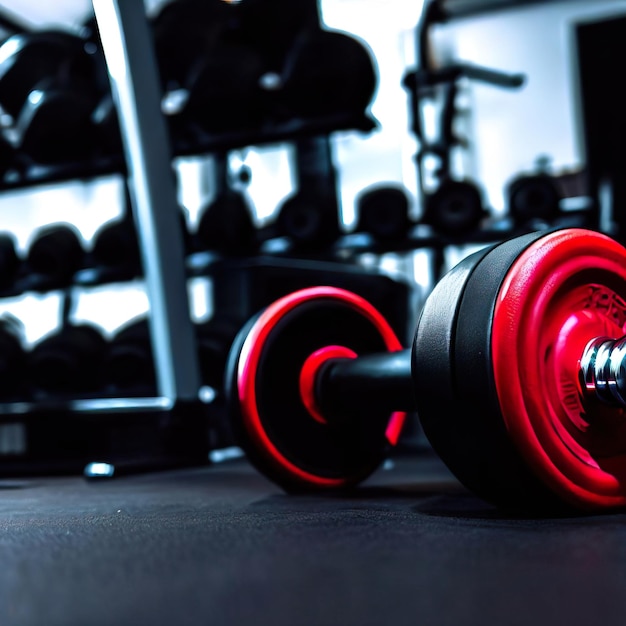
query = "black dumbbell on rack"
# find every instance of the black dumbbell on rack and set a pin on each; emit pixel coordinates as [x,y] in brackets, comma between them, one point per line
[308,219]
[49,86]
[226,225]
[383,212]
[67,363]
[516,372]
[8,158]
[326,73]
[455,209]
[214,339]
[56,253]
[12,359]
[116,243]
[203,57]
[10,261]
[129,363]
[271,26]
[533,198]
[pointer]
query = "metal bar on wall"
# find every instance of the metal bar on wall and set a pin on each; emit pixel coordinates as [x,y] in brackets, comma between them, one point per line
[130,57]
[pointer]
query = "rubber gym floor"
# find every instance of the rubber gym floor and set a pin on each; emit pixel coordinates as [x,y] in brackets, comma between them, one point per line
[222,545]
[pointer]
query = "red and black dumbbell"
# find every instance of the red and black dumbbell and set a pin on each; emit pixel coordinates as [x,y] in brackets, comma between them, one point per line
[517,372]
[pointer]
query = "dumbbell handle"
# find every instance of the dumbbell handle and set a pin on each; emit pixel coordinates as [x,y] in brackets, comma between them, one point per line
[383,382]
[603,370]
[370,383]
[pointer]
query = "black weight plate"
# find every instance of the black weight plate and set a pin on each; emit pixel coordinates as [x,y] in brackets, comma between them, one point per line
[455,209]
[7,155]
[456,397]
[226,225]
[384,212]
[28,58]
[533,197]
[287,444]
[309,219]
[328,73]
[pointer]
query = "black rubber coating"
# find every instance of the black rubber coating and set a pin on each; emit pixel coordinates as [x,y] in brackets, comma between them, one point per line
[455,389]
[349,448]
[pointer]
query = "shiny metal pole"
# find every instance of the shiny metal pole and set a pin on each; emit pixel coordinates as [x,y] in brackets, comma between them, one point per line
[132,67]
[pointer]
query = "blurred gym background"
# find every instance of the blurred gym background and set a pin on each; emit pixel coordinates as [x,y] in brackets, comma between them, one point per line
[492,93]
[508,130]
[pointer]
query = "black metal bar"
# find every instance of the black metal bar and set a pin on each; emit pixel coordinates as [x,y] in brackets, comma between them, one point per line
[12,23]
[371,383]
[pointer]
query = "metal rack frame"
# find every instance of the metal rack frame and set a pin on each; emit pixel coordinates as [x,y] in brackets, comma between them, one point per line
[133,73]
[175,422]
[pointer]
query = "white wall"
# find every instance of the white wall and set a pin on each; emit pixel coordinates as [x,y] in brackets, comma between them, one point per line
[512,128]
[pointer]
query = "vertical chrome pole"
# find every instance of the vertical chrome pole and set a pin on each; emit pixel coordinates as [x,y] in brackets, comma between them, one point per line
[130,58]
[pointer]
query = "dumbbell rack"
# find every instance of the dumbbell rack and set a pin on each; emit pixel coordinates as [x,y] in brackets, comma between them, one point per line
[174,427]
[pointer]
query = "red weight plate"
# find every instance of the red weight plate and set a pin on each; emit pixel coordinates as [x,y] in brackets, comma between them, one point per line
[253,354]
[565,289]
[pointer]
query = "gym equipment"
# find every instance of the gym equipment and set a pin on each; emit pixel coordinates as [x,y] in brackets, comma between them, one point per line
[214,339]
[327,73]
[383,212]
[55,123]
[455,208]
[271,385]
[129,364]
[107,127]
[225,89]
[270,26]
[181,29]
[12,357]
[309,218]
[226,225]
[200,49]
[513,326]
[56,252]
[26,59]
[48,85]
[67,361]
[241,287]
[115,245]
[516,372]
[10,262]
[7,156]
[601,123]
[533,197]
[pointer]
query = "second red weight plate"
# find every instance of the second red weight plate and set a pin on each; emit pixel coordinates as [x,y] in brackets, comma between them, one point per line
[496,360]
[566,289]
[271,409]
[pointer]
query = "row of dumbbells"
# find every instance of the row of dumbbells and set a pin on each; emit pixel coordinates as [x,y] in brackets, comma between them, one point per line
[457,207]
[226,66]
[225,226]
[78,360]
[516,371]
[309,221]
[56,253]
